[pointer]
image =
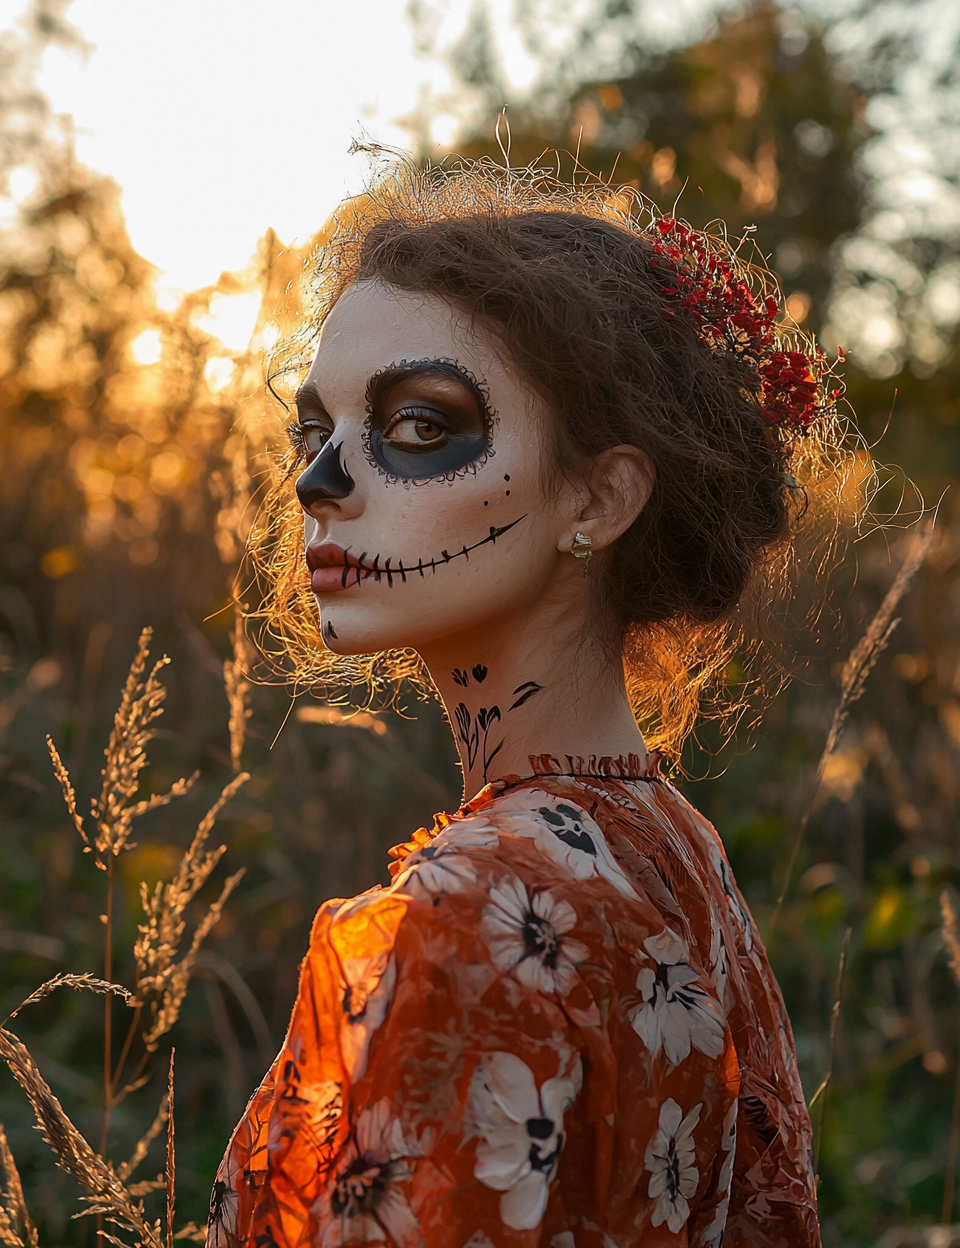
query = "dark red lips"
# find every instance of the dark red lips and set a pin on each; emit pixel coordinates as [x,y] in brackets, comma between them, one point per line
[332,568]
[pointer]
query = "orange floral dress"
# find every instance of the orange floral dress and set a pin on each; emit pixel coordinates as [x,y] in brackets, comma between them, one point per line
[557,1026]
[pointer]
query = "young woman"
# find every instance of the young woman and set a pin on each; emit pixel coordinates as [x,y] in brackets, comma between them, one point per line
[543,454]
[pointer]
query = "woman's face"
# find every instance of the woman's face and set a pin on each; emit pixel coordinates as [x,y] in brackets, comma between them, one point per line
[428,511]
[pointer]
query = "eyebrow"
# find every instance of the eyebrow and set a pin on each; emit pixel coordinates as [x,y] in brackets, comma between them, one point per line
[385,378]
[309,402]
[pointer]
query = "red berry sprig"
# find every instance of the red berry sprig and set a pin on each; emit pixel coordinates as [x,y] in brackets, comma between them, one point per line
[730,317]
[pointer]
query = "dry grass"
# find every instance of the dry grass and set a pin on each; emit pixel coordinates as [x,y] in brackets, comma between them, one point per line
[106,1194]
[163,972]
[113,812]
[16,1228]
[86,980]
[161,979]
[831,1053]
[143,1144]
[170,1175]
[951,942]
[237,685]
[951,937]
[853,678]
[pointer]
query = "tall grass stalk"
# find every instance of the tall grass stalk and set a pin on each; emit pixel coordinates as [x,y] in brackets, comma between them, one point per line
[163,973]
[853,679]
[821,1092]
[16,1228]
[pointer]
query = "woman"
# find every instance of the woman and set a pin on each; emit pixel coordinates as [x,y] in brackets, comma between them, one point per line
[543,452]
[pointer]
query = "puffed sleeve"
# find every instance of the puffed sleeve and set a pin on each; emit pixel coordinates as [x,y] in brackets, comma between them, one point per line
[479,1057]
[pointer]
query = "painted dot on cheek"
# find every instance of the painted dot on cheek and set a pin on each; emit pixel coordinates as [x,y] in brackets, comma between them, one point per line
[486,503]
[507,477]
[508,493]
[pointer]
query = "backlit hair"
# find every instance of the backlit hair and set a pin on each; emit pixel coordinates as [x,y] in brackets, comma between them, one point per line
[563,274]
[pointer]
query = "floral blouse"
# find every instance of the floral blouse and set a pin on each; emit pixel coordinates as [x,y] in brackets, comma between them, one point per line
[557,1026]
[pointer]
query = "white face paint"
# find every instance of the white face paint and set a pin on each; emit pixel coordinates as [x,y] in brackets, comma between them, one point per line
[427,514]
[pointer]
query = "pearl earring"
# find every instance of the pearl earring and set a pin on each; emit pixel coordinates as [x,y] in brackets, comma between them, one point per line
[582,550]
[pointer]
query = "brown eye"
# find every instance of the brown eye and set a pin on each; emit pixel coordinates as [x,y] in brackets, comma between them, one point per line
[308,440]
[426,419]
[314,439]
[412,432]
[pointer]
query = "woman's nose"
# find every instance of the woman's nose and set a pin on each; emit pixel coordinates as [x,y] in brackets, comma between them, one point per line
[324,479]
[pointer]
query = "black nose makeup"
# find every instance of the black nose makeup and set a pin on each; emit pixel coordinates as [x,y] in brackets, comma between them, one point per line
[325,478]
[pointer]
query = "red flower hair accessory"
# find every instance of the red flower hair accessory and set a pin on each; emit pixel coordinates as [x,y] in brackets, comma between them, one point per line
[711,287]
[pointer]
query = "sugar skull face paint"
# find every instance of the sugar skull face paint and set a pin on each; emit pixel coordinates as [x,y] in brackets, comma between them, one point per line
[427,506]
[427,419]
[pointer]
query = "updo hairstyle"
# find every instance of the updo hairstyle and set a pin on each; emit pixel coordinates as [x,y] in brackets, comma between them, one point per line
[562,277]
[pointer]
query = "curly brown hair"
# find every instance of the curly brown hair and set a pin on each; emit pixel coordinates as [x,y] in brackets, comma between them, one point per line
[561,275]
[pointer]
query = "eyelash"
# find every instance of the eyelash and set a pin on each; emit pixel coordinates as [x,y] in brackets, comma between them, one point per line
[489,420]
[424,415]
[297,434]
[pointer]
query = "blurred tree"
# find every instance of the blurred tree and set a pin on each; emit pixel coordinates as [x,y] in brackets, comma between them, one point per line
[752,127]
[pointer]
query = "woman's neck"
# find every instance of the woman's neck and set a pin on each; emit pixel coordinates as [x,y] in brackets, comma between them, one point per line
[533,686]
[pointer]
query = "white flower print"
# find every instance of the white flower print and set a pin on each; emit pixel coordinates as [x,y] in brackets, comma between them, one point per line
[728,1144]
[522,1132]
[441,866]
[670,1157]
[363,1203]
[526,935]
[222,1216]
[247,1142]
[368,985]
[676,1012]
[563,833]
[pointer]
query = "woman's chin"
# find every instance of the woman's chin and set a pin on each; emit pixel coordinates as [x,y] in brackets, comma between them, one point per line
[348,633]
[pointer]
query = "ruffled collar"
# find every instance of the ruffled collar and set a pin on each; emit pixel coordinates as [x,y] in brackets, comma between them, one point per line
[625,767]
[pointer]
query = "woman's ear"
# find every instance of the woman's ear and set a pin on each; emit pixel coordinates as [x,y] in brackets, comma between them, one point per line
[618,483]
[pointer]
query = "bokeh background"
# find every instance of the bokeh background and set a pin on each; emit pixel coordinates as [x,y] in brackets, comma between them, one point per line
[162,171]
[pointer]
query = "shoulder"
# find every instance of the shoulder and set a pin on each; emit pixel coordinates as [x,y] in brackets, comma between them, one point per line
[535,831]
[528,865]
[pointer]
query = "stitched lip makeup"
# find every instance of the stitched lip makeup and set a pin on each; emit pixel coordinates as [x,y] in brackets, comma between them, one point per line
[329,566]
[334,568]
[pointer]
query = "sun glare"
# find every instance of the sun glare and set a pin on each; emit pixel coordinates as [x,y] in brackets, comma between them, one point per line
[146,348]
[231,318]
[218,372]
[198,110]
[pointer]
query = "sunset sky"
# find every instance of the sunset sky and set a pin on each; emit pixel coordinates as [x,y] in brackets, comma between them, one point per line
[221,120]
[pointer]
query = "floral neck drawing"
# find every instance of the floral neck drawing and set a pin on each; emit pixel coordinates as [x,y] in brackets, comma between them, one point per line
[473,730]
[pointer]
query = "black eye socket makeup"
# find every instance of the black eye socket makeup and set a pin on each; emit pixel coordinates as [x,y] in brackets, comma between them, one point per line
[428,420]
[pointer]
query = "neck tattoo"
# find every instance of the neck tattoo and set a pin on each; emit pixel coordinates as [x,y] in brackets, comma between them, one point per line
[473,731]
